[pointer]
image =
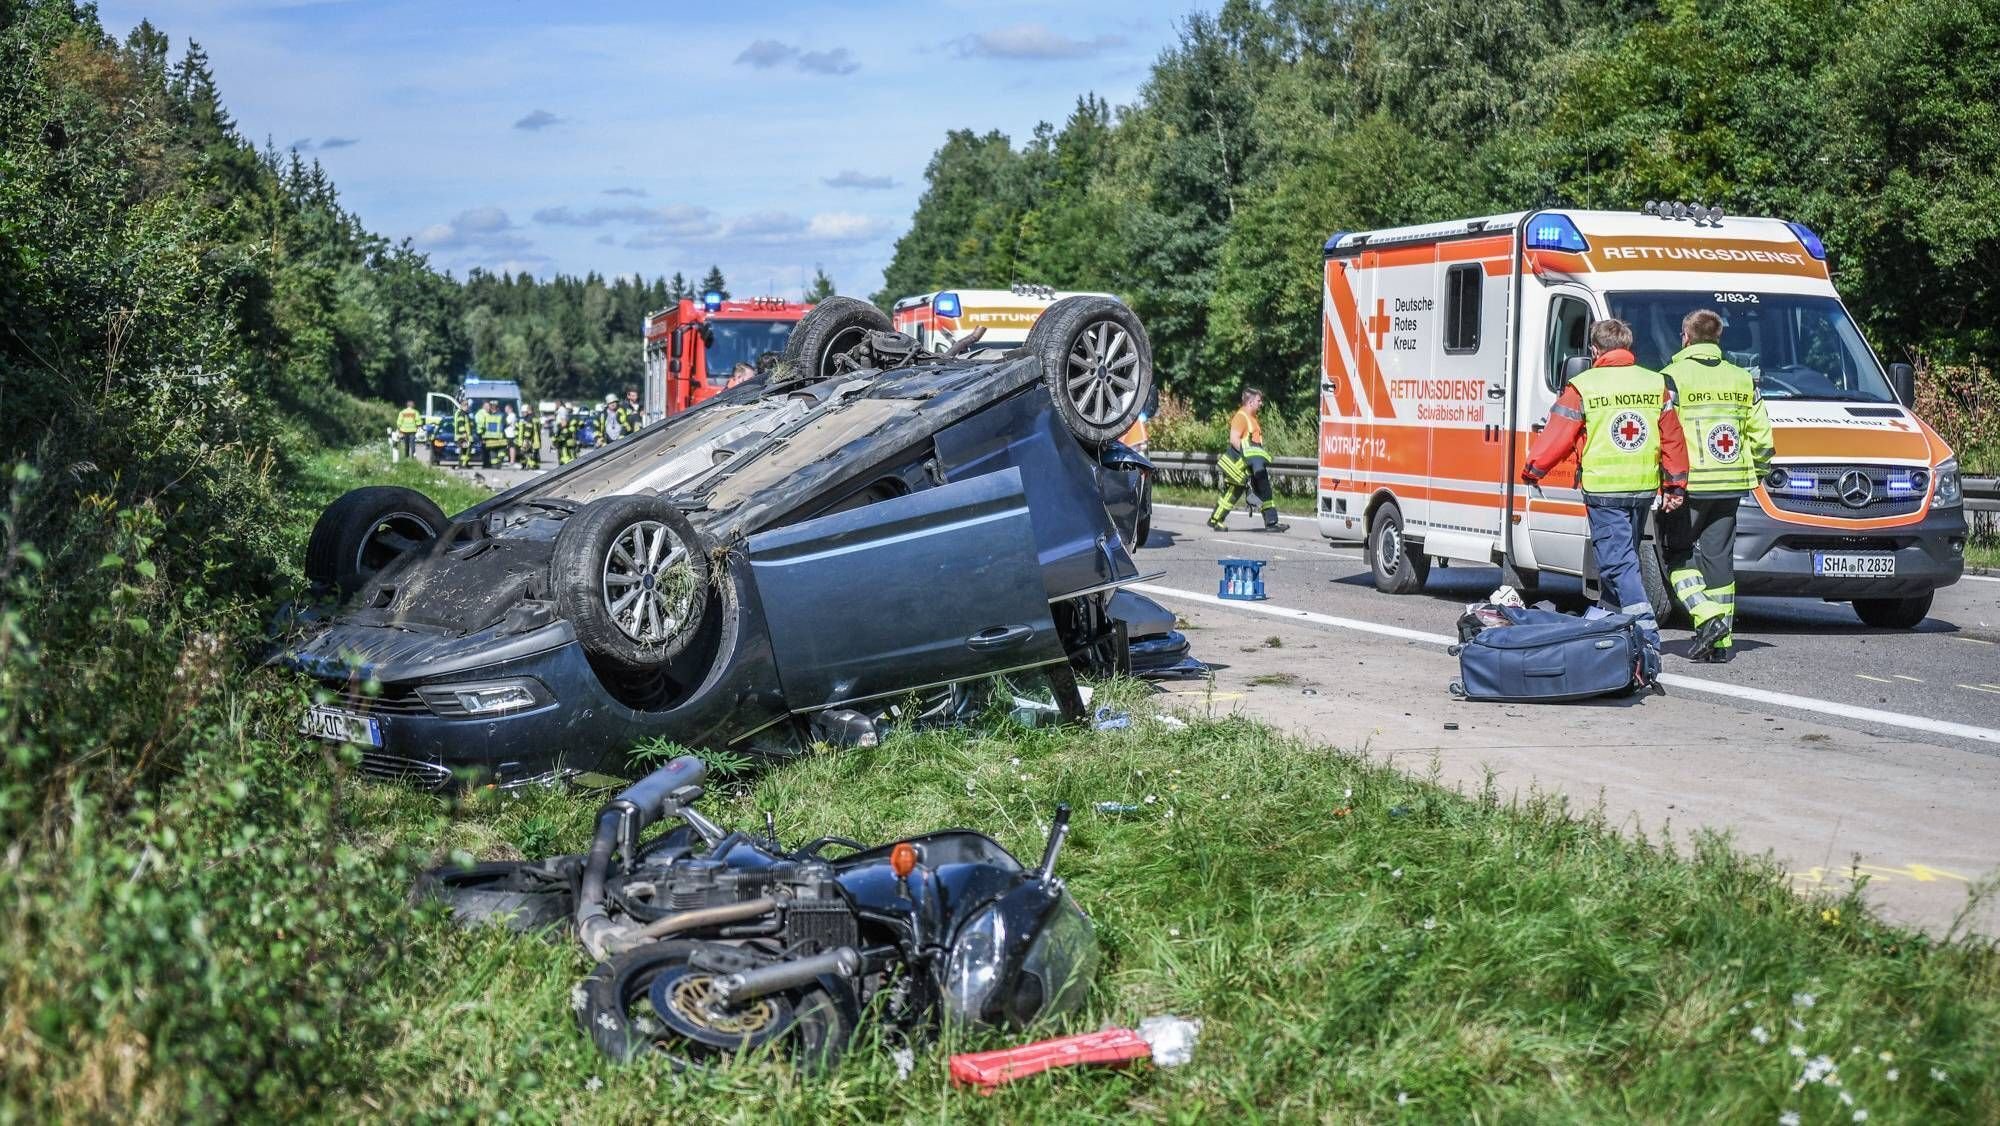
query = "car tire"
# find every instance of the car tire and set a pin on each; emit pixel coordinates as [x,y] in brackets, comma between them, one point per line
[360,533]
[834,326]
[1894,613]
[1096,363]
[523,897]
[1653,577]
[632,598]
[1396,568]
[817,1031]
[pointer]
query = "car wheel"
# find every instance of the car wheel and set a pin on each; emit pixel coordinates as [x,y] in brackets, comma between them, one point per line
[631,578]
[834,326]
[1894,613]
[363,531]
[1399,567]
[1653,577]
[650,1000]
[1096,363]
[522,897]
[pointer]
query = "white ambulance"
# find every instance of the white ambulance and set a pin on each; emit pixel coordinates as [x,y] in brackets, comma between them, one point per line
[1443,347]
[939,320]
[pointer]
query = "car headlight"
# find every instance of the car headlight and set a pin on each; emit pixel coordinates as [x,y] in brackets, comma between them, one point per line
[972,974]
[487,698]
[1950,491]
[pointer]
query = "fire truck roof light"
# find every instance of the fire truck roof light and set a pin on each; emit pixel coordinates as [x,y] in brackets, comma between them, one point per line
[1809,240]
[945,304]
[711,301]
[1555,232]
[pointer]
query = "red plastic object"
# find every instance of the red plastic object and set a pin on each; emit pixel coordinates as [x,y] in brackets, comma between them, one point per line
[988,1070]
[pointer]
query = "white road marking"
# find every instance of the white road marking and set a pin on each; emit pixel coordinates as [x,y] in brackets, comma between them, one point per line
[1911,679]
[1981,688]
[1981,578]
[1876,679]
[1271,546]
[1671,680]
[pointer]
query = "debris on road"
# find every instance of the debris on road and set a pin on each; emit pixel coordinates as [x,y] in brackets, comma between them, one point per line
[1166,1040]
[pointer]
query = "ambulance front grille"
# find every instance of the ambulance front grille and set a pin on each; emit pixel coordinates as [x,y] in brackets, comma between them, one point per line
[1891,491]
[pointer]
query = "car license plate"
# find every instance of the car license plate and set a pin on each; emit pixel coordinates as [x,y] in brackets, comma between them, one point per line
[322,722]
[1854,565]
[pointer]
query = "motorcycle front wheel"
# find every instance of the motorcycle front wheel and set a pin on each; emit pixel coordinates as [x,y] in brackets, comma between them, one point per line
[648,1002]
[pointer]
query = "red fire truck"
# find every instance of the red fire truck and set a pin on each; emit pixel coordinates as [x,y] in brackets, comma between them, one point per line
[693,348]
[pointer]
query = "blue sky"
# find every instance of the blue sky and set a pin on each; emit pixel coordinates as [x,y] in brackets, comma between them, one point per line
[650,138]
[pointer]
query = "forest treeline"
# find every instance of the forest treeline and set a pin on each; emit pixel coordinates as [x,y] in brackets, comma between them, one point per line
[1270,125]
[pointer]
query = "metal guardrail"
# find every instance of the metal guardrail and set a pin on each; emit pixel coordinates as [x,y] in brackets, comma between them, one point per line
[1301,474]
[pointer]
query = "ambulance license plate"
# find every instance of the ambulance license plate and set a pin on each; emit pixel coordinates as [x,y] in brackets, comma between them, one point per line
[1854,565]
[334,725]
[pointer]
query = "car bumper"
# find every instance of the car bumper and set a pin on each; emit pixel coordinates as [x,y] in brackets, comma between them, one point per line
[582,728]
[1776,557]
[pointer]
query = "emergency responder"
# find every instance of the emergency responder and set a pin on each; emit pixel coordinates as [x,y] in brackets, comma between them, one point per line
[631,417]
[1619,420]
[1245,464]
[408,422]
[1729,447]
[529,438]
[462,435]
[569,431]
[607,420]
[492,432]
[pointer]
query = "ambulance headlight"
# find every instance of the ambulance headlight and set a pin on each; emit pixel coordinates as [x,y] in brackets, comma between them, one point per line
[1950,491]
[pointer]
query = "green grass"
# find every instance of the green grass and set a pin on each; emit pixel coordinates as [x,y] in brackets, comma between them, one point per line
[1983,552]
[331,474]
[1350,937]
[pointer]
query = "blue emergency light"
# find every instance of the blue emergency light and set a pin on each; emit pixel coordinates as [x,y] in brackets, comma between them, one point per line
[1810,240]
[711,301]
[945,305]
[1555,232]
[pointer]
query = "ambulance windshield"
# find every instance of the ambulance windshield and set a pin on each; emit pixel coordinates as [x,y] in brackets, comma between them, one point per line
[741,342]
[1798,347]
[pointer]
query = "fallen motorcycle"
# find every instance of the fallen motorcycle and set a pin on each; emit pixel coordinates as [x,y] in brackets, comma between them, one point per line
[712,942]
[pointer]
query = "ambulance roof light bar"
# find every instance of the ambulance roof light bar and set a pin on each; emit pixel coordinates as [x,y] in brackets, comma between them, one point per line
[1808,239]
[1556,231]
[1712,216]
[945,305]
[1021,289]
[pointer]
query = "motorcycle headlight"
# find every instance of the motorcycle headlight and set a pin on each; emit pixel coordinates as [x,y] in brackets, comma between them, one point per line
[1055,976]
[972,974]
[1950,491]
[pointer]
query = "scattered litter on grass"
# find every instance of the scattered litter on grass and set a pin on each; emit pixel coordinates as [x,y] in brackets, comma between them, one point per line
[906,1062]
[1173,722]
[1171,1038]
[1108,720]
[1115,808]
[1760,1034]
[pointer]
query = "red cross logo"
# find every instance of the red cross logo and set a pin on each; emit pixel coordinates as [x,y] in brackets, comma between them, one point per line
[1723,445]
[1379,323]
[1628,431]
[1724,442]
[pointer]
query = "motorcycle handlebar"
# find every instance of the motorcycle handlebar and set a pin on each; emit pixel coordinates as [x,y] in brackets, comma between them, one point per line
[644,800]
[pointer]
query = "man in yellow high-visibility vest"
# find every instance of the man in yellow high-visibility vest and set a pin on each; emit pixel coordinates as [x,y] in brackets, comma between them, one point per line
[1245,465]
[408,422]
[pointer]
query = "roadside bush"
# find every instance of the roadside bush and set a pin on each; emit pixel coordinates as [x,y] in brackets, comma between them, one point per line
[1963,405]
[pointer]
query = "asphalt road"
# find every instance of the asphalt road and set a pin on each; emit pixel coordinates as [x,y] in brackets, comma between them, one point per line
[1947,669]
[1843,752]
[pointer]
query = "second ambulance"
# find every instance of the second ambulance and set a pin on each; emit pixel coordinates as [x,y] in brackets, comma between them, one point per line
[1444,346]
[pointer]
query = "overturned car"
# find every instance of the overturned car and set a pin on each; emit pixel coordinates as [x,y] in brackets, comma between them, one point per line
[802,556]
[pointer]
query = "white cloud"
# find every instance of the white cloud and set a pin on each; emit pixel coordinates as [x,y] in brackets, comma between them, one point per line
[845,226]
[673,218]
[838,61]
[859,181]
[537,120]
[1032,41]
[480,228]
[767,53]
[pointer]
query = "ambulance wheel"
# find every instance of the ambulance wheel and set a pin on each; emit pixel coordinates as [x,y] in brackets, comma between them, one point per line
[1097,364]
[1893,613]
[1400,567]
[834,327]
[360,533]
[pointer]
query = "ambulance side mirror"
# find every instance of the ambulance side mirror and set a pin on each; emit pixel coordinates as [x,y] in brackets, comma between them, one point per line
[1573,367]
[1903,381]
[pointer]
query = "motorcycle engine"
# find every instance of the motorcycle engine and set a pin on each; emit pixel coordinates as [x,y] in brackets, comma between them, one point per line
[813,914]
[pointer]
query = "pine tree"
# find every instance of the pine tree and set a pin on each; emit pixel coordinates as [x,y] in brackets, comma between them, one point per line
[822,287]
[714,283]
[677,288]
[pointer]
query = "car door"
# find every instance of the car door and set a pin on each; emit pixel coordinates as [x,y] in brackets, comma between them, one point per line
[1554,513]
[919,590]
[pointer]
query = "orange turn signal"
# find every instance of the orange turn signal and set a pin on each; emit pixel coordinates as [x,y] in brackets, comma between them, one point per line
[903,859]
